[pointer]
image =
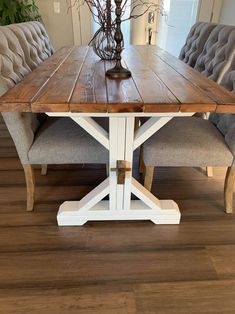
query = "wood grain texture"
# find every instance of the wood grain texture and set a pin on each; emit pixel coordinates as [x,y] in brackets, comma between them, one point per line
[219,95]
[148,179]
[44,170]
[223,258]
[73,79]
[183,90]
[30,185]
[22,95]
[215,297]
[151,88]
[60,86]
[89,92]
[114,267]
[228,189]
[123,95]
[93,267]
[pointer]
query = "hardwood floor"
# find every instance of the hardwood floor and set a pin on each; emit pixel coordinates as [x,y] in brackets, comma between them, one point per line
[113,267]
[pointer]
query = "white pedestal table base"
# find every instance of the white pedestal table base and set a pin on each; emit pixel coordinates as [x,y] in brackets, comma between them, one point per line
[121,141]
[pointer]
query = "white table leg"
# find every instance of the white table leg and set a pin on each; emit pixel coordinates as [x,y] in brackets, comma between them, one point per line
[121,143]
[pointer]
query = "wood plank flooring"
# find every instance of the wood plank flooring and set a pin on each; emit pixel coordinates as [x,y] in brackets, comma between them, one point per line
[113,267]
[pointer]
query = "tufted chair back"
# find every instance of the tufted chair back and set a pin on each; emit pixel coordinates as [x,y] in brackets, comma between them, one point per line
[22,48]
[218,53]
[195,42]
[12,59]
[34,42]
[228,80]
[226,122]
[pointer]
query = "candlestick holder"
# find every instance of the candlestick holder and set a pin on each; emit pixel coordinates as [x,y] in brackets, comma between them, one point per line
[118,72]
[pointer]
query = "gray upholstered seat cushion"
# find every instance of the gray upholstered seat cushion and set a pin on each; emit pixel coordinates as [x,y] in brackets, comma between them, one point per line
[62,141]
[195,42]
[188,141]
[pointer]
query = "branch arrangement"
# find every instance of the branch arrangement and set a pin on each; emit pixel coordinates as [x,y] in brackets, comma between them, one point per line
[144,6]
[103,11]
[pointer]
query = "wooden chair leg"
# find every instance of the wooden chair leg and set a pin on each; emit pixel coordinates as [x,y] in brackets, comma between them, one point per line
[137,123]
[141,161]
[43,170]
[30,184]
[148,179]
[209,171]
[107,170]
[228,189]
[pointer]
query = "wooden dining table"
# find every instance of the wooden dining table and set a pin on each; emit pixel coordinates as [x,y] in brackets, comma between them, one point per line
[72,83]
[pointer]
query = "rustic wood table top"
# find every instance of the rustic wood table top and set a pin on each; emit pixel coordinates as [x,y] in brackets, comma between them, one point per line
[73,79]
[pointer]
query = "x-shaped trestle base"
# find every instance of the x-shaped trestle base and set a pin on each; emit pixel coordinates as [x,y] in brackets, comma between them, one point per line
[121,141]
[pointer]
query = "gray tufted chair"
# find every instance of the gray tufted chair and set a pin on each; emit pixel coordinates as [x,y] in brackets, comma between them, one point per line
[213,56]
[228,80]
[183,142]
[218,53]
[34,41]
[195,42]
[38,141]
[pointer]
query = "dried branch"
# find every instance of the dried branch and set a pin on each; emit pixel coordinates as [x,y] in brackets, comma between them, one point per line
[102,13]
[145,6]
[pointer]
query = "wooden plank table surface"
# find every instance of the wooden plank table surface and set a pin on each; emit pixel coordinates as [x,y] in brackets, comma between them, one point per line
[72,83]
[73,80]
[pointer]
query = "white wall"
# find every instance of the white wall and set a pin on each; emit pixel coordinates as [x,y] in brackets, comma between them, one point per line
[228,12]
[58,25]
[209,10]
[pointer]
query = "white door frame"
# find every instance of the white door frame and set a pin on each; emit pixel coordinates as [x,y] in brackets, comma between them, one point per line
[209,10]
[82,24]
